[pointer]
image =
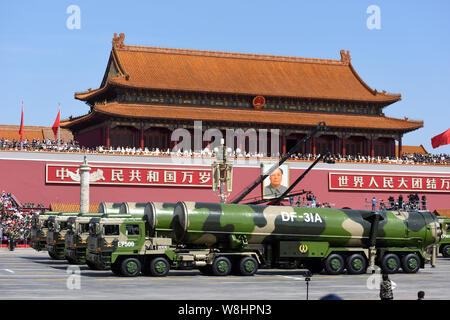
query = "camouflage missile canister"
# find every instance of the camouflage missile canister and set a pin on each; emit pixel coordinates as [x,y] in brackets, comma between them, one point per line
[214,223]
[159,215]
[132,207]
[109,207]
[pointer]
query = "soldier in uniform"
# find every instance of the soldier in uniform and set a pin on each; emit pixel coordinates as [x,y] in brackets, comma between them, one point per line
[386,288]
[12,242]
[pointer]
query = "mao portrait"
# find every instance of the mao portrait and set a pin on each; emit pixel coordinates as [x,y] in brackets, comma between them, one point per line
[277,182]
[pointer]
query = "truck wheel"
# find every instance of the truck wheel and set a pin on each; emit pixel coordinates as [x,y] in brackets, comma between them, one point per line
[53,255]
[334,264]
[446,251]
[356,264]
[221,266]
[411,263]
[91,265]
[130,267]
[206,270]
[248,266]
[115,268]
[159,267]
[315,266]
[390,263]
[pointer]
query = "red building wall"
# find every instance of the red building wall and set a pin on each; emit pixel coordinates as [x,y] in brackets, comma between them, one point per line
[26,179]
[91,138]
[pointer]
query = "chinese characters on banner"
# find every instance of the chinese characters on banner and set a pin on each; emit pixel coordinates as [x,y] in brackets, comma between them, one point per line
[137,176]
[386,182]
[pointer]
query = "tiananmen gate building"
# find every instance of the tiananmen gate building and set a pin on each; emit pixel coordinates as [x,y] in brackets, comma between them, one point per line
[147,92]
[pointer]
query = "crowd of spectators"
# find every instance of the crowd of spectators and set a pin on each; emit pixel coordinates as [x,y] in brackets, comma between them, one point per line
[14,223]
[37,145]
[309,201]
[406,158]
[73,146]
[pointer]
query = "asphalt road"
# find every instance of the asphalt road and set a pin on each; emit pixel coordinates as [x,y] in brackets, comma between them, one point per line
[27,274]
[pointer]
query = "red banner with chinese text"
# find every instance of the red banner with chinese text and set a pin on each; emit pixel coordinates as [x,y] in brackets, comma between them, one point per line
[136,176]
[388,182]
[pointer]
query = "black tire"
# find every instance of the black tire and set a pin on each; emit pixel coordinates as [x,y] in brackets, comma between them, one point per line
[130,267]
[158,267]
[390,263]
[411,263]
[446,251]
[334,264]
[206,270]
[91,265]
[115,268]
[315,266]
[248,266]
[356,264]
[53,255]
[71,261]
[221,266]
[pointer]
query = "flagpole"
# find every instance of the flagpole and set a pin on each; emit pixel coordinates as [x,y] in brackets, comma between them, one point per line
[21,129]
[59,127]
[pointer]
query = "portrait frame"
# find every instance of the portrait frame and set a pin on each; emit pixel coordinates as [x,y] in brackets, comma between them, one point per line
[267,182]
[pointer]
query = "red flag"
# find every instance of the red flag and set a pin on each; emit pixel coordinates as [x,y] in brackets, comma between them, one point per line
[21,127]
[441,139]
[56,126]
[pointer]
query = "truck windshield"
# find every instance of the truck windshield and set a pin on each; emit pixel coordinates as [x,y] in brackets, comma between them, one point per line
[62,225]
[34,222]
[93,226]
[111,230]
[51,225]
[132,229]
[84,228]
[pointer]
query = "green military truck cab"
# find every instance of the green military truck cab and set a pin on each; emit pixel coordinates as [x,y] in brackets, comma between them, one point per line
[76,237]
[56,234]
[444,243]
[109,234]
[126,246]
[39,230]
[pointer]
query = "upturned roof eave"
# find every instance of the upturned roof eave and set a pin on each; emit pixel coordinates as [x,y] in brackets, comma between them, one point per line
[411,124]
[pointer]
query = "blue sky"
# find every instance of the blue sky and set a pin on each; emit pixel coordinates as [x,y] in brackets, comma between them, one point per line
[44,62]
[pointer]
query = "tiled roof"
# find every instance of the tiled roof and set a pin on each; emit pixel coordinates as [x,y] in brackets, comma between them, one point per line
[237,73]
[412,149]
[11,132]
[248,116]
[71,207]
[443,212]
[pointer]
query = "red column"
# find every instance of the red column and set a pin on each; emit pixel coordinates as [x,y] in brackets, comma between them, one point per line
[392,144]
[400,152]
[313,141]
[175,144]
[168,141]
[141,136]
[343,146]
[372,147]
[108,137]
